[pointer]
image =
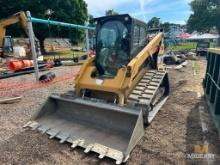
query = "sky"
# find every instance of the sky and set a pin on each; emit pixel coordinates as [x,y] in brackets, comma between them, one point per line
[174,11]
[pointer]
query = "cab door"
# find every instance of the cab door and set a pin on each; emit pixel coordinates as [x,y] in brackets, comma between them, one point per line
[7,46]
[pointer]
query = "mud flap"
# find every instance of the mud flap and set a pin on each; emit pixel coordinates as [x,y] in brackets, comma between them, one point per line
[106,129]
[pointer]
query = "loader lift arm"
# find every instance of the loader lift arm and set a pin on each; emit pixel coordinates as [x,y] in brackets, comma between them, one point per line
[153,47]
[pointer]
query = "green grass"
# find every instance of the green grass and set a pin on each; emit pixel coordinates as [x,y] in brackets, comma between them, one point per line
[64,54]
[183,46]
[212,45]
[187,46]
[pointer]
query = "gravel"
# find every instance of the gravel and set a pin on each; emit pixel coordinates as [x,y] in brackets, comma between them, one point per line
[168,140]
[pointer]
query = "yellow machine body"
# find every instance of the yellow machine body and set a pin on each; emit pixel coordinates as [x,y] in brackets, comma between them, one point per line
[4,23]
[121,84]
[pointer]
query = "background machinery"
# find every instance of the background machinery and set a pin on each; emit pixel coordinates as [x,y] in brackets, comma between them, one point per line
[6,42]
[117,92]
[202,48]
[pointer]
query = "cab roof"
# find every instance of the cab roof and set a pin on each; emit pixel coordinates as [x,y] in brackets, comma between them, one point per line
[119,16]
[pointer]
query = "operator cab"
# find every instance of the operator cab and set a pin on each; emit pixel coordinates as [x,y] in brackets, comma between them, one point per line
[7,48]
[118,39]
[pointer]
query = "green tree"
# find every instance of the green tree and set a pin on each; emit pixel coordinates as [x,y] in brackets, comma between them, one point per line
[154,22]
[166,26]
[206,14]
[91,19]
[111,12]
[71,11]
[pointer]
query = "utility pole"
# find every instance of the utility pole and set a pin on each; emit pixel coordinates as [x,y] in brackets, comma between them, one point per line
[87,39]
[32,41]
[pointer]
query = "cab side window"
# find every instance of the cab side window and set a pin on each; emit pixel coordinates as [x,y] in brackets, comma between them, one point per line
[136,36]
[143,38]
[139,39]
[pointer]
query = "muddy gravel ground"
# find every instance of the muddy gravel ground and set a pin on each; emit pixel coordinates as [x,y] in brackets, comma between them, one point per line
[170,138]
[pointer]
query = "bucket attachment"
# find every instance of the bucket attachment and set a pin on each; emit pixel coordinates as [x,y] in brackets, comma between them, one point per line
[107,129]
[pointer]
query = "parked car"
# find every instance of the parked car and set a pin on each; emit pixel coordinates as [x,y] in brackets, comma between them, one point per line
[202,48]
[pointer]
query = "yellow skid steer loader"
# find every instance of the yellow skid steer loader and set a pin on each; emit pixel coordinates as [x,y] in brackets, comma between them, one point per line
[117,92]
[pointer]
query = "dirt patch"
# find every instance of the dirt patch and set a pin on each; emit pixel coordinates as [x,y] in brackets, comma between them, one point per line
[171,136]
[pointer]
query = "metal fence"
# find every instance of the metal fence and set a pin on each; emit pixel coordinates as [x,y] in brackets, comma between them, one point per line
[212,84]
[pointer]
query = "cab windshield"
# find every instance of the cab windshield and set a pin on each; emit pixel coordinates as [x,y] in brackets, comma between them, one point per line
[112,48]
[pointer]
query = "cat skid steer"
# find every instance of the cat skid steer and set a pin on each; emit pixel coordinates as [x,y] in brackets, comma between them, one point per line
[117,92]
